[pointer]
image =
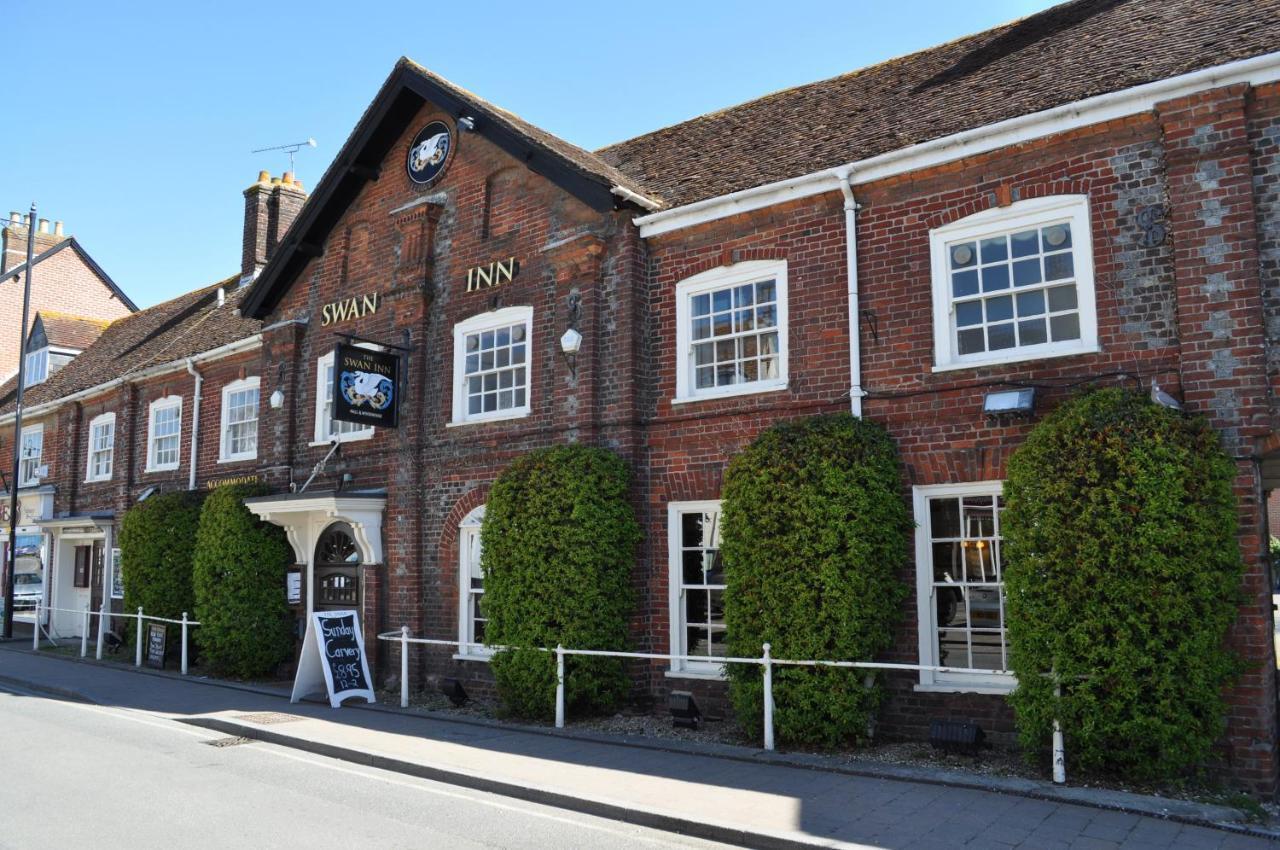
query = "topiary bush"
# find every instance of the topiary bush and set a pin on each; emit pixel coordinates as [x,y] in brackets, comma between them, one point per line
[815,533]
[156,555]
[239,572]
[559,544]
[1123,576]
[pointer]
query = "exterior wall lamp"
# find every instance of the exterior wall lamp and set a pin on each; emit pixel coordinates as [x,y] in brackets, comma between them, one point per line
[277,396]
[571,340]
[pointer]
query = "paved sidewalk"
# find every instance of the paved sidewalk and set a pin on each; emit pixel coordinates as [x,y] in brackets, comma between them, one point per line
[754,804]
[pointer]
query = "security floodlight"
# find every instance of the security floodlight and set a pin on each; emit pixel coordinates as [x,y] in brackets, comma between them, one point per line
[1010,403]
[684,710]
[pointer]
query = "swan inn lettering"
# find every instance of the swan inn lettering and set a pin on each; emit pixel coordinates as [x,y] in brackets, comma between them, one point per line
[355,307]
[493,274]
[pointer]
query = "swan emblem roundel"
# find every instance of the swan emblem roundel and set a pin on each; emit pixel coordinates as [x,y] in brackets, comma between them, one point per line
[430,152]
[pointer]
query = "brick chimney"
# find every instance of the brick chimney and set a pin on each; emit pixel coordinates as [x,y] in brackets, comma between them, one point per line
[270,206]
[13,238]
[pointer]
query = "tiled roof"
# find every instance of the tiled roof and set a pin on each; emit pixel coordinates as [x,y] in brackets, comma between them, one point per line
[1064,54]
[583,160]
[183,327]
[66,331]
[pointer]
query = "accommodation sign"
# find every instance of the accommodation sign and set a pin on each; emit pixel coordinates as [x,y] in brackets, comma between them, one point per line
[492,274]
[355,307]
[365,386]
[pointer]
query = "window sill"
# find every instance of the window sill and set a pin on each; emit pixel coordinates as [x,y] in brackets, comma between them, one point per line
[1016,358]
[152,469]
[738,390]
[695,674]
[463,656]
[237,459]
[458,423]
[97,480]
[345,438]
[958,688]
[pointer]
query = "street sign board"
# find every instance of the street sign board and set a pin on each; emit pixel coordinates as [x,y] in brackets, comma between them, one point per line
[333,659]
[157,636]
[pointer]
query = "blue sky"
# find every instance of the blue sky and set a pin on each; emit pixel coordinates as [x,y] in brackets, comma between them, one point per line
[133,122]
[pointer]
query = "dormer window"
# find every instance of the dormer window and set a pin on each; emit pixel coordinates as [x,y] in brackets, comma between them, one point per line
[36,369]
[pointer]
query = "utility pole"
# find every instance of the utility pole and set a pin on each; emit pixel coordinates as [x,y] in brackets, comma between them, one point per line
[11,562]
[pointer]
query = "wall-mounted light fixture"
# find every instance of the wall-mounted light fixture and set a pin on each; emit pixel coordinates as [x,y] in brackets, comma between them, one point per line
[1010,403]
[571,340]
[277,396]
[466,122]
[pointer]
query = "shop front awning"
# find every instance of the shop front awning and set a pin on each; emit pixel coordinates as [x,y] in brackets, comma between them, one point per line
[305,516]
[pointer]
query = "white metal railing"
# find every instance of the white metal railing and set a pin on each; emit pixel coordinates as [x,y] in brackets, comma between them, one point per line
[103,615]
[766,661]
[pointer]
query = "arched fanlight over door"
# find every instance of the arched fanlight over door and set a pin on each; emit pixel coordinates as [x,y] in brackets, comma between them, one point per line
[337,570]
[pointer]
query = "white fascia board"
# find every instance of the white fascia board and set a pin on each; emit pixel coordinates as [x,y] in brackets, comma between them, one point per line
[241,345]
[1024,128]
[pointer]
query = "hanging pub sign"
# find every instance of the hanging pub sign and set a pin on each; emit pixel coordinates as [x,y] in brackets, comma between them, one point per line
[333,659]
[365,384]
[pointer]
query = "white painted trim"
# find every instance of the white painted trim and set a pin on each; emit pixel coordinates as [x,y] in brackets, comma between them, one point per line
[153,409]
[720,278]
[926,611]
[1034,212]
[237,347]
[468,527]
[33,428]
[100,419]
[1012,131]
[477,324]
[675,579]
[253,382]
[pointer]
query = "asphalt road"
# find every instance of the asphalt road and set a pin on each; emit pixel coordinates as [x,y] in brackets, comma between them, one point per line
[82,776]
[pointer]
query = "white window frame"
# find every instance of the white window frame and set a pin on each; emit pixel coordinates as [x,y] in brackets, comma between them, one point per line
[156,407]
[102,419]
[675,588]
[719,278]
[225,455]
[1034,212]
[926,625]
[478,324]
[469,538]
[323,423]
[26,463]
[41,356]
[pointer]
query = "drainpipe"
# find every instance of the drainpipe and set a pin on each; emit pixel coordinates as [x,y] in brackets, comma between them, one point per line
[195,423]
[845,177]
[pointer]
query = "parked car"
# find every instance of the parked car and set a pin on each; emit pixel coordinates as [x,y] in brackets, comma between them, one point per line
[28,590]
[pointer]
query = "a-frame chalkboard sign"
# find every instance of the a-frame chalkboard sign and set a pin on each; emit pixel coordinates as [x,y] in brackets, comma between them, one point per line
[333,659]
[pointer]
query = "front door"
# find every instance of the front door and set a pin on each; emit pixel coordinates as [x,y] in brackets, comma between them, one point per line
[337,569]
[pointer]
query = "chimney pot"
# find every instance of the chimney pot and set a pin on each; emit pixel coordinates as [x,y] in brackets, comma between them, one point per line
[57,228]
[15,217]
[287,179]
[44,225]
[264,176]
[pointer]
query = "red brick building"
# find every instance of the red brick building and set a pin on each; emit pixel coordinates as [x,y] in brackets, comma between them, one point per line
[1089,196]
[68,283]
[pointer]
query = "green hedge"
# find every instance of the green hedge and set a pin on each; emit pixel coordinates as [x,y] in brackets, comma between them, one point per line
[1123,576]
[559,544]
[815,535]
[156,554]
[245,626]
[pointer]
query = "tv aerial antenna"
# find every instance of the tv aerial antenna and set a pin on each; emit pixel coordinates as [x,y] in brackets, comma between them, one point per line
[291,149]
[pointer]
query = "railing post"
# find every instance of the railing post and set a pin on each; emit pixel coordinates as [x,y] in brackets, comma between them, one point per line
[137,654]
[1059,750]
[404,666]
[84,633]
[35,629]
[768,698]
[184,643]
[559,686]
[102,627]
